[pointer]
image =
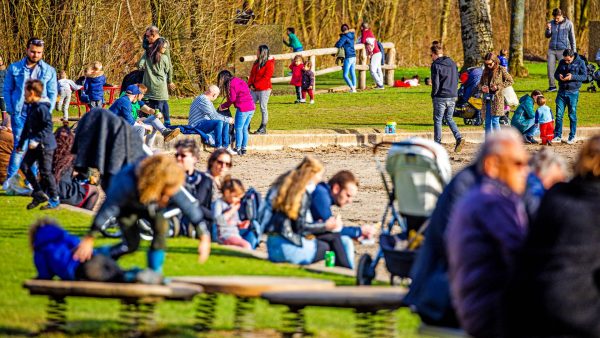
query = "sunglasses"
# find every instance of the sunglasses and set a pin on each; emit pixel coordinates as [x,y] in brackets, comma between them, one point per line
[180,155]
[224,164]
[489,64]
[37,42]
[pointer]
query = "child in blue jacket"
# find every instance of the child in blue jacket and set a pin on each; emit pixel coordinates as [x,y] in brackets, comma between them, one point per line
[94,84]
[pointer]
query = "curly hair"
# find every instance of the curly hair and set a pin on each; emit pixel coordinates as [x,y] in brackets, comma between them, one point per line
[157,173]
[588,163]
[292,186]
[63,159]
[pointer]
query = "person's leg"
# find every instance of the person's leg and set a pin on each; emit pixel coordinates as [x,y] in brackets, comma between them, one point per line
[17,122]
[495,123]
[263,100]
[238,125]
[47,178]
[166,111]
[561,102]
[31,156]
[298,93]
[348,244]
[212,126]
[550,69]
[156,252]
[281,250]
[237,241]
[100,269]
[249,235]
[304,91]
[225,134]
[247,120]
[311,94]
[488,117]
[335,242]
[91,198]
[449,113]
[140,130]
[375,69]
[353,72]
[130,238]
[572,106]
[438,114]
[322,248]
[346,72]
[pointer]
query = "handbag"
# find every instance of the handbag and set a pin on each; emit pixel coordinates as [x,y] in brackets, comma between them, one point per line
[510,97]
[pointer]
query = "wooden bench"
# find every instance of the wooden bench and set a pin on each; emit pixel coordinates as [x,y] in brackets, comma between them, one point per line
[374,307]
[138,300]
[245,289]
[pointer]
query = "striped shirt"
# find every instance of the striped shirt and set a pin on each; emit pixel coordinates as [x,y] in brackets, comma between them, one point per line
[203,109]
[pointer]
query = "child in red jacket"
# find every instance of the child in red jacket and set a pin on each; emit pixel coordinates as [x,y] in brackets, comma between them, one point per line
[296,66]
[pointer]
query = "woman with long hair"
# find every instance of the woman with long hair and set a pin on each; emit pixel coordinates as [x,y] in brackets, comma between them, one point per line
[72,189]
[260,84]
[158,77]
[493,81]
[289,221]
[237,93]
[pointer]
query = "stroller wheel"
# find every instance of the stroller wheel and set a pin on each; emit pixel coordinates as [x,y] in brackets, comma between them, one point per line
[111,228]
[146,232]
[174,227]
[365,273]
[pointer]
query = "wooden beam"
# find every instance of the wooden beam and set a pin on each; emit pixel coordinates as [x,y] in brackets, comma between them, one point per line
[311,52]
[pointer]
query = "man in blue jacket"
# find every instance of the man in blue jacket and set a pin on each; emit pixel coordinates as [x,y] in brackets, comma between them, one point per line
[31,67]
[561,33]
[571,72]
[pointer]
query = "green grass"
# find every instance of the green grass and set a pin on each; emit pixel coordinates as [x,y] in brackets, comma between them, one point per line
[22,314]
[410,108]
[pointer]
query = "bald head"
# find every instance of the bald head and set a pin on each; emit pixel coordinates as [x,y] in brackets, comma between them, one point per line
[212,92]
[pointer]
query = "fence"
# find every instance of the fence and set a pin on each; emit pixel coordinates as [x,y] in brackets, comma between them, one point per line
[361,66]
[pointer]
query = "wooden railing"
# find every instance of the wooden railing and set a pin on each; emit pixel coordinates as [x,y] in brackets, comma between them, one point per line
[361,65]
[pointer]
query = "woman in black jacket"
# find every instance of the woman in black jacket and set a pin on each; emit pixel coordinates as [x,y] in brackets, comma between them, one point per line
[556,289]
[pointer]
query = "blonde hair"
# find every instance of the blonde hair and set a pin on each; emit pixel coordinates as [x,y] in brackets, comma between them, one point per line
[157,173]
[96,66]
[35,226]
[292,186]
[588,163]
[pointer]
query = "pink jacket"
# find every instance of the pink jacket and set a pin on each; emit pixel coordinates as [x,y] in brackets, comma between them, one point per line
[296,74]
[239,96]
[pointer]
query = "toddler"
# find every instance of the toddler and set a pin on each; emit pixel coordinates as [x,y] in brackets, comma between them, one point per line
[226,209]
[94,84]
[502,58]
[66,87]
[296,66]
[543,116]
[308,83]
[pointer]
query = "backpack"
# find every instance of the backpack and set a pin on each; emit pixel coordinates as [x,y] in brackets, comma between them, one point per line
[382,52]
[250,205]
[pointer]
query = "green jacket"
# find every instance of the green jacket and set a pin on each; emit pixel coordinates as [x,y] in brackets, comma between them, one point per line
[157,77]
[524,117]
[294,41]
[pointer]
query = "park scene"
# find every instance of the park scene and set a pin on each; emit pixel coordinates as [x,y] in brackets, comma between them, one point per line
[291,168]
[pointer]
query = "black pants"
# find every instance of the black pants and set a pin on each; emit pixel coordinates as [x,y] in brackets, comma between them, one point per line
[163,106]
[332,241]
[298,93]
[44,159]
[131,233]
[100,269]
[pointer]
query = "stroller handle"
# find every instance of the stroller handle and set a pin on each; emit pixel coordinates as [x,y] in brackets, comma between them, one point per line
[403,144]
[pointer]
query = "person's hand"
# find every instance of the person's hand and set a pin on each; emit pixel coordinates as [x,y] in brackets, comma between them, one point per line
[367,231]
[84,250]
[159,115]
[203,248]
[494,88]
[172,86]
[548,26]
[485,89]
[33,144]
[568,77]
[244,224]
[230,120]
[334,223]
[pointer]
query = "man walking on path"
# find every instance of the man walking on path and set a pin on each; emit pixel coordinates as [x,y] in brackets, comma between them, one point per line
[562,36]
[444,91]
[571,72]
[31,67]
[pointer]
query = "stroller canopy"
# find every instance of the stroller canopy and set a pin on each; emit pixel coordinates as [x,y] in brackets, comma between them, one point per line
[419,170]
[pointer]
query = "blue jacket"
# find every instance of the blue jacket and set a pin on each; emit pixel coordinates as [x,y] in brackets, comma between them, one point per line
[38,126]
[53,253]
[562,35]
[524,116]
[578,71]
[94,87]
[14,85]
[123,108]
[346,41]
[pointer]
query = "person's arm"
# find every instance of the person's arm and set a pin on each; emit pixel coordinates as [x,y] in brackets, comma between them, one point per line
[320,204]
[580,73]
[142,63]
[507,80]
[537,116]
[435,81]
[572,42]
[169,72]
[73,85]
[528,109]
[206,107]
[548,32]
[340,43]
[287,43]
[51,90]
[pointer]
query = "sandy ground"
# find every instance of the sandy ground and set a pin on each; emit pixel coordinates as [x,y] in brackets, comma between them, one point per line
[259,170]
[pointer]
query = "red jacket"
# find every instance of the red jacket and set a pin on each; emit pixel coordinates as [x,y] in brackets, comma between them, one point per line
[371,48]
[296,74]
[260,78]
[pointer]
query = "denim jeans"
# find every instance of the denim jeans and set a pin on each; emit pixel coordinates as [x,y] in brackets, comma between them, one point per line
[443,109]
[568,100]
[492,123]
[242,121]
[17,122]
[163,106]
[250,236]
[219,128]
[298,49]
[350,72]
[348,244]
[281,250]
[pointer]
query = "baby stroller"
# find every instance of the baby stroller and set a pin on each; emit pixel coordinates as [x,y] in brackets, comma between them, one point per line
[593,74]
[111,228]
[419,170]
[469,104]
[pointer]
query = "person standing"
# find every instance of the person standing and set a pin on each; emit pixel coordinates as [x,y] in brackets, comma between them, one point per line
[260,83]
[561,33]
[31,67]
[346,42]
[368,39]
[94,84]
[493,81]
[444,91]
[294,42]
[237,93]
[571,72]
[158,77]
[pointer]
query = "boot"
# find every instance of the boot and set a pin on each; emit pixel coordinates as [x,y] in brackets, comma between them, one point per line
[261,130]
[170,134]
[38,198]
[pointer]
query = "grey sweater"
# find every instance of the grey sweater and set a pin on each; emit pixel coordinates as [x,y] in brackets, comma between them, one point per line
[562,35]
[202,109]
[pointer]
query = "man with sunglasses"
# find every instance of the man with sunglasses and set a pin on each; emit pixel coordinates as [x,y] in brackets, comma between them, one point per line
[31,67]
[486,230]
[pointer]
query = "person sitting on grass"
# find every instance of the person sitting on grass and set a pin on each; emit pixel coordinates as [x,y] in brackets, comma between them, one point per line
[38,132]
[231,230]
[144,190]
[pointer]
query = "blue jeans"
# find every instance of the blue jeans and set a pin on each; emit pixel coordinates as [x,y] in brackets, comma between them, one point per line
[348,244]
[17,122]
[492,123]
[220,130]
[250,236]
[299,49]
[443,109]
[281,250]
[163,106]
[242,122]
[350,72]
[568,99]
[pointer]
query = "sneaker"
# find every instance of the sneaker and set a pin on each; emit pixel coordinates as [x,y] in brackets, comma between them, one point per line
[352,90]
[243,152]
[551,89]
[380,87]
[38,198]
[297,101]
[303,101]
[459,144]
[531,140]
[53,203]
[170,134]
[312,101]
[556,140]
[149,276]
[571,141]
[231,151]
[549,143]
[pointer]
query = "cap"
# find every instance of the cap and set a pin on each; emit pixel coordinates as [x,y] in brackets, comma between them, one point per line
[133,90]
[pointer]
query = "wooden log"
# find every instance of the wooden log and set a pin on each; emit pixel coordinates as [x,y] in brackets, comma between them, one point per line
[318,72]
[362,73]
[308,53]
[390,66]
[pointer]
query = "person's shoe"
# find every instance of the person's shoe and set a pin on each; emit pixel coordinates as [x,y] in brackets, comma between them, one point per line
[571,141]
[211,140]
[548,143]
[261,130]
[303,101]
[556,140]
[531,140]
[38,198]
[243,152]
[170,134]
[53,203]
[352,90]
[297,101]
[231,151]
[526,140]
[551,89]
[459,144]
[149,276]
[380,87]
[312,101]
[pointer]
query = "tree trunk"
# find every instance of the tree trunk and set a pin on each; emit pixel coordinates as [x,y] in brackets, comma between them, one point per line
[550,6]
[568,8]
[517,23]
[476,28]
[583,24]
[444,21]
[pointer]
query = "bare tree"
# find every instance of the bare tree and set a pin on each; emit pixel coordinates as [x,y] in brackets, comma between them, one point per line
[476,27]
[550,6]
[517,23]
[444,21]
[568,9]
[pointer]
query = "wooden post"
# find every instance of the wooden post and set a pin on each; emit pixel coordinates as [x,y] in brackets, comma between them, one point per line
[390,61]
[313,62]
[362,74]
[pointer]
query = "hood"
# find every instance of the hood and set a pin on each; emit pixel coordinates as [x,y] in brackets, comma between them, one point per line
[44,101]
[444,61]
[95,74]
[48,234]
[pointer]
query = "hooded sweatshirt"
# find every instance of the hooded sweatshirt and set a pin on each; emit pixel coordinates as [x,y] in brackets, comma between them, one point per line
[94,86]
[38,125]
[53,253]
[444,78]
